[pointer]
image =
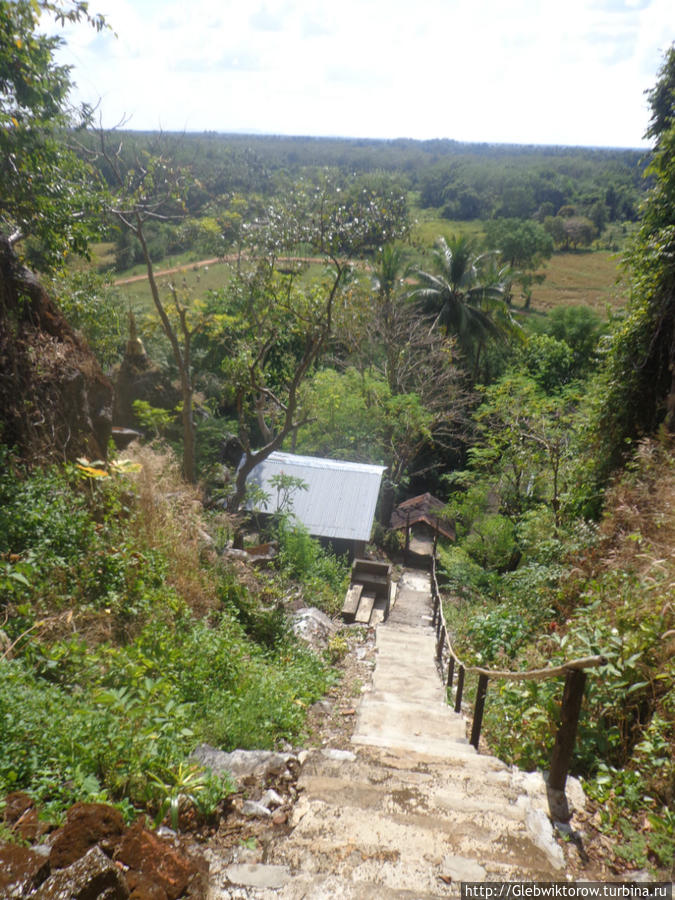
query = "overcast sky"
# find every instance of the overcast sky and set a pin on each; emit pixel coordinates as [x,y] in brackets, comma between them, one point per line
[568,72]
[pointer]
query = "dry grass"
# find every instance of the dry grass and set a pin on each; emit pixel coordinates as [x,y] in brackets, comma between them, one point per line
[589,278]
[170,519]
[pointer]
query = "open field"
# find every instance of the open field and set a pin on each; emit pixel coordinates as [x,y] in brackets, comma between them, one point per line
[428,227]
[193,280]
[588,278]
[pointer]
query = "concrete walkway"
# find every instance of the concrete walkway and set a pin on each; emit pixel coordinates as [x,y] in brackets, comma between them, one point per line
[413,811]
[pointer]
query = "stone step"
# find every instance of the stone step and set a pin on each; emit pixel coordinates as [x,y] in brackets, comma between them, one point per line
[414,810]
[405,849]
[398,798]
[331,887]
[383,714]
[398,770]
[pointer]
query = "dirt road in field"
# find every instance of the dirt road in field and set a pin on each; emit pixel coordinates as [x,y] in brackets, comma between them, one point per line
[200,264]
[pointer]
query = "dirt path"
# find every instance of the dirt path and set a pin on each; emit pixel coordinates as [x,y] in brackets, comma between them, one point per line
[218,260]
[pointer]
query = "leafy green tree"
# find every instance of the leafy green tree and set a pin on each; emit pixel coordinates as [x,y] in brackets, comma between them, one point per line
[526,445]
[524,245]
[638,393]
[456,298]
[45,191]
[579,232]
[580,327]
[548,361]
[335,225]
[144,193]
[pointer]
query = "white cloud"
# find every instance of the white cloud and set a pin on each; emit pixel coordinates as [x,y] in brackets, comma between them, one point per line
[486,70]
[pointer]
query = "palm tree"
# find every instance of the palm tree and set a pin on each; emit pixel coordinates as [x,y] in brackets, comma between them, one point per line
[465,296]
[388,282]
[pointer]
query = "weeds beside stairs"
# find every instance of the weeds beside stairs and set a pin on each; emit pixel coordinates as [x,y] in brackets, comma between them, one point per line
[413,810]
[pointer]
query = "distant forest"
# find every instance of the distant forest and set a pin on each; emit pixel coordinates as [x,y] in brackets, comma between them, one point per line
[457,180]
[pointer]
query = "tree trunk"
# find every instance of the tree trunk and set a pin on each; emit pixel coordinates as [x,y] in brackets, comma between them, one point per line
[181,358]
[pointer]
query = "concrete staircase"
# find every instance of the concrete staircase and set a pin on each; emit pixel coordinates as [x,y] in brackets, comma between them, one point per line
[413,810]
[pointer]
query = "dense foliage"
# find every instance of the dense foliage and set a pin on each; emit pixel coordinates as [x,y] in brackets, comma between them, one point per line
[121,649]
[640,385]
[44,190]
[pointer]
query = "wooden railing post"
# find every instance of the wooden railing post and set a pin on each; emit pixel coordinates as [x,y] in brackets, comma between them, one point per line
[460,689]
[451,671]
[573,693]
[441,642]
[478,711]
[407,538]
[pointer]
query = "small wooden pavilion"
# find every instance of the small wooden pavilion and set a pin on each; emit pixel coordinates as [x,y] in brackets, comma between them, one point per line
[423,521]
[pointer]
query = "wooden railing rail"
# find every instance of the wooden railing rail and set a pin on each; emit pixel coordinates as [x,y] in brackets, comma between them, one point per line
[575,680]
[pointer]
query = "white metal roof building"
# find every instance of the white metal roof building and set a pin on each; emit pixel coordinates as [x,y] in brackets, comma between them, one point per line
[340,499]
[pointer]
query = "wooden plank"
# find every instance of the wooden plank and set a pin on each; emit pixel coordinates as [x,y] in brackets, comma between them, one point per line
[377,616]
[351,604]
[365,608]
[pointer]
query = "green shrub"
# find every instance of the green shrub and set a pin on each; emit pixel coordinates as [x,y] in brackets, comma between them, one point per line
[95,718]
[301,557]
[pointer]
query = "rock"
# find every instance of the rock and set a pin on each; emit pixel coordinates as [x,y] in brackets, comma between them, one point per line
[138,378]
[458,868]
[640,877]
[233,553]
[338,755]
[21,870]
[241,763]
[279,817]
[93,877]
[313,626]
[271,799]
[161,863]
[143,888]
[258,876]
[16,804]
[22,817]
[575,794]
[86,824]
[253,809]
[539,826]
[124,436]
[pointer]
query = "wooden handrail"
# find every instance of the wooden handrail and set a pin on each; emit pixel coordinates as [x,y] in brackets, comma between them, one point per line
[575,678]
[585,662]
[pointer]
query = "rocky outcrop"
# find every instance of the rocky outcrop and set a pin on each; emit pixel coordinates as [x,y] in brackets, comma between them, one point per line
[55,402]
[95,855]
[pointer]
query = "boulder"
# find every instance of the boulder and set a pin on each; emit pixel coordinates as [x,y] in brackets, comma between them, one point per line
[22,817]
[86,824]
[313,626]
[161,863]
[93,877]
[21,870]
[242,763]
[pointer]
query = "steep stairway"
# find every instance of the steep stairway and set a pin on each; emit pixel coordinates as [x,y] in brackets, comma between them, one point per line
[413,810]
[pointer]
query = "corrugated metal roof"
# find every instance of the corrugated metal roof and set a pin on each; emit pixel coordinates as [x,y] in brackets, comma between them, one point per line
[340,499]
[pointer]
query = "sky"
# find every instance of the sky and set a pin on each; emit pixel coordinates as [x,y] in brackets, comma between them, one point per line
[565,72]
